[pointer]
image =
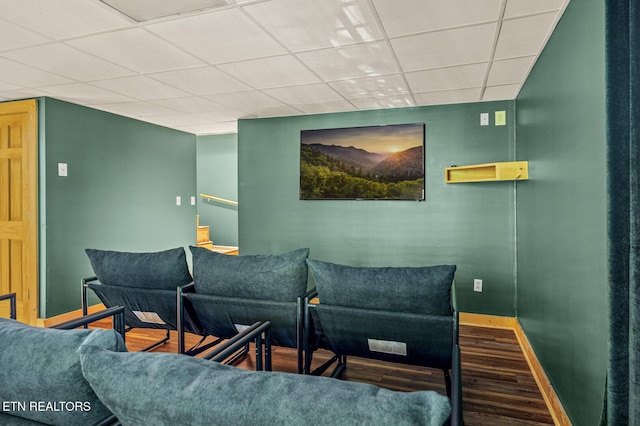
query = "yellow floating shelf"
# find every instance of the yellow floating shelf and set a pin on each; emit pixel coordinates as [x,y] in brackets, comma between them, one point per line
[512,170]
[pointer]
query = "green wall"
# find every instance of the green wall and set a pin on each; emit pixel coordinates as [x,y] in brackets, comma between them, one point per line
[562,235]
[217,167]
[120,193]
[470,225]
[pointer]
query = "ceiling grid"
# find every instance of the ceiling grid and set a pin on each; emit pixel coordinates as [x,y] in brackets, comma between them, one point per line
[201,69]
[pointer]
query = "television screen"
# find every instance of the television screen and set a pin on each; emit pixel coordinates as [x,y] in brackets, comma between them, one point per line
[363,163]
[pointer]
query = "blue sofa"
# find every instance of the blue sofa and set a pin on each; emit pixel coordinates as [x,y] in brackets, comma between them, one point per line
[86,377]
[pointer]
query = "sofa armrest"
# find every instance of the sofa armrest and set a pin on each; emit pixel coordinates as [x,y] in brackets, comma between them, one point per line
[117,312]
[11,297]
[253,333]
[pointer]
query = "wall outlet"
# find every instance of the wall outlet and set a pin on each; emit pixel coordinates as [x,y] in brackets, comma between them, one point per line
[477,285]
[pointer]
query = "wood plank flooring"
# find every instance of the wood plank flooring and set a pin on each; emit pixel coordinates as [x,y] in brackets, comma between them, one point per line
[498,387]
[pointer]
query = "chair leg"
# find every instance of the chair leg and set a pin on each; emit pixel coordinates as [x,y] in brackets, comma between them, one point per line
[340,367]
[158,343]
[447,382]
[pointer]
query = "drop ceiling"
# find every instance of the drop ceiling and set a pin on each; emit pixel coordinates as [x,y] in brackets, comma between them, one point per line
[200,70]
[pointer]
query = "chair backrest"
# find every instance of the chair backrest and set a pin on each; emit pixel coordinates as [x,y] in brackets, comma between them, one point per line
[391,313]
[232,292]
[144,283]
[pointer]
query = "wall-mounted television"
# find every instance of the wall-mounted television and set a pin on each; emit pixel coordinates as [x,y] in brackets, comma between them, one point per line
[363,163]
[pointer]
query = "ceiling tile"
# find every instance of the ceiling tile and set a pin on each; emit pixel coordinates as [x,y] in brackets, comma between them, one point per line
[61,59]
[136,49]
[301,95]
[62,19]
[524,36]
[416,16]
[173,120]
[449,97]
[371,87]
[462,77]
[23,93]
[498,93]
[527,7]
[325,107]
[254,103]
[388,102]
[212,128]
[276,71]
[140,88]
[219,37]
[4,86]
[361,60]
[85,93]
[27,76]
[191,105]
[137,109]
[334,23]
[14,37]
[510,71]
[445,48]
[222,113]
[201,81]
[145,10]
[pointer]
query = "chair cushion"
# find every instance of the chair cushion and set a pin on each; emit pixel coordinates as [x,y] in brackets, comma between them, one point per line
[171,389]
[279,278]
[40,367]
[419,290]
[160,270]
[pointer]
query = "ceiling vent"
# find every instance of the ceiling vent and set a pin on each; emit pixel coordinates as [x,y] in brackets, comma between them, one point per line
[146,10]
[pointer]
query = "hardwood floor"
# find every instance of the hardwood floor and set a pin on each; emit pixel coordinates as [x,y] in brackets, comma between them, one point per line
[498,387]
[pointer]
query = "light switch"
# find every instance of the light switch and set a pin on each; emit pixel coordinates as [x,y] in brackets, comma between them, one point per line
[193,201]
[501,118]
[62,169]
[178,200]
[484,119]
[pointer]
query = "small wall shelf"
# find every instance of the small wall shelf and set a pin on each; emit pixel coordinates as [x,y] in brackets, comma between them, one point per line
[513,170]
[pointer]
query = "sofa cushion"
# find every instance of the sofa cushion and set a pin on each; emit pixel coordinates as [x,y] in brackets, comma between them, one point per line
[40,371]
[166,269]
[9,420]
[279,278]
[419,290]
[170,389]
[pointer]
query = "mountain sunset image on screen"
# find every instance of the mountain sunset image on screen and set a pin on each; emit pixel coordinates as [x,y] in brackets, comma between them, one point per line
[368,163]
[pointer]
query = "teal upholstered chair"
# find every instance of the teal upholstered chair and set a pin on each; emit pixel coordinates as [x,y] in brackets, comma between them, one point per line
[145,284]
[405,315]
[230,292]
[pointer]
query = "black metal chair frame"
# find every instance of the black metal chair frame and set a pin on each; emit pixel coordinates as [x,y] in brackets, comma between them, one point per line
[165,339]
[453,380]
[189,288]
[11,297]
[259,333]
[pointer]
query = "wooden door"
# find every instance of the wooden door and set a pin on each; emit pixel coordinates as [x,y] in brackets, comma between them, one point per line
[18,207]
